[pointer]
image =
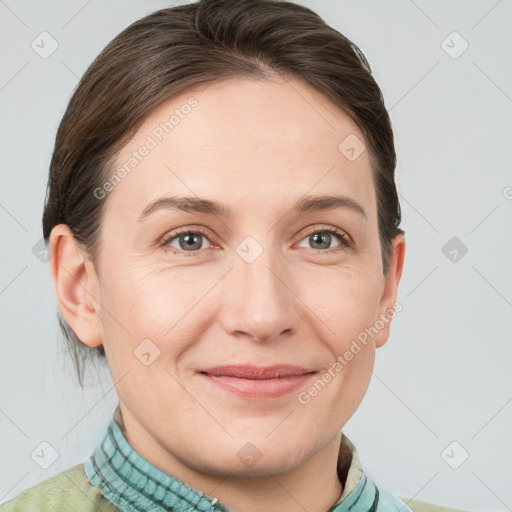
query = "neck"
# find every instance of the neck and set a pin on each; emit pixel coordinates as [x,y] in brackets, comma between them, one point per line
[313,485]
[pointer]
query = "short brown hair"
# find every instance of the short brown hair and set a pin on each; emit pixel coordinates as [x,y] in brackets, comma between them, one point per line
[172,50]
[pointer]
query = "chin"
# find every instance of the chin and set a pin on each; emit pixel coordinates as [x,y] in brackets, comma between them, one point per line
[248,460]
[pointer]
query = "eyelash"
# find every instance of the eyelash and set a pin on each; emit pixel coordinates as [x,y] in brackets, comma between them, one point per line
[345,241]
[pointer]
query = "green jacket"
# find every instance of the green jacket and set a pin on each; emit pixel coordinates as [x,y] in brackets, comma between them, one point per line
[71,491]
[116,477]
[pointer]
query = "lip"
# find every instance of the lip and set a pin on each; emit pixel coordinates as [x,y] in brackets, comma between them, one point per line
[256,382]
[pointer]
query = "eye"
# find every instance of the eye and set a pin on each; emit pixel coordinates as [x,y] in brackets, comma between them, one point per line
[186,241]
[321,239]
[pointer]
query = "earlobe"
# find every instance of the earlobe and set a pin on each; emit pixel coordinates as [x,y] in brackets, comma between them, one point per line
[388,300]
[76,286]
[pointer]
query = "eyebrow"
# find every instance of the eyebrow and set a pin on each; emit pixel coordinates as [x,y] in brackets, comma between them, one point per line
[198,205]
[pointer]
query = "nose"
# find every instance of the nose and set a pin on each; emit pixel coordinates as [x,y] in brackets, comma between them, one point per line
[258,300]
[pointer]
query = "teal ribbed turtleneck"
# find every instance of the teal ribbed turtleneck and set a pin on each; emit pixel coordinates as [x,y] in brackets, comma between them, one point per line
[133,484]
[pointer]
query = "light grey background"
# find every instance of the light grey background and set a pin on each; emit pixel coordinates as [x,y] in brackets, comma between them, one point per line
[443,376]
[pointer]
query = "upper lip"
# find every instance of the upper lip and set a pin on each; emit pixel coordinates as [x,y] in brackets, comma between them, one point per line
[257,372]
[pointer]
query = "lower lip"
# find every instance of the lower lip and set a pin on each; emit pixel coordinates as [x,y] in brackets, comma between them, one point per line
[262,389]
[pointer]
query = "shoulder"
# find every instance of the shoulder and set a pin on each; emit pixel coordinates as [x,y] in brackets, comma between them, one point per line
[423,506]
[388,502]
[64,492]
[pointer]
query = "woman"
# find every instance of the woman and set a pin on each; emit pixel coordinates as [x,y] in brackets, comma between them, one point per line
[223,227]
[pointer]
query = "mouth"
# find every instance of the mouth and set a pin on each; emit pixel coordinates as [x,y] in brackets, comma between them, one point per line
[253,382]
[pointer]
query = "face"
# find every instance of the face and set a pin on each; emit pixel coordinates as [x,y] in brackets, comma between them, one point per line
[269,277]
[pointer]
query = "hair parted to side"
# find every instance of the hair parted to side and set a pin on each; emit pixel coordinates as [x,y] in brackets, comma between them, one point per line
[173,50]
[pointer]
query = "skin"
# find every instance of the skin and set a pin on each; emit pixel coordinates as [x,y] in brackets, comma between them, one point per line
[256,146]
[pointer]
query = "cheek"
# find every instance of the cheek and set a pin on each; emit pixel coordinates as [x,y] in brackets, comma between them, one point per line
[159,305]
[345,301]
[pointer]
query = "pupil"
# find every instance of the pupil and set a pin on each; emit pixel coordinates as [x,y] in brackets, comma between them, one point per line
[322,236]
[190,240]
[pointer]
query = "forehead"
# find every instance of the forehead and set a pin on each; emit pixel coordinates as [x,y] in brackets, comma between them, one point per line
[242,140]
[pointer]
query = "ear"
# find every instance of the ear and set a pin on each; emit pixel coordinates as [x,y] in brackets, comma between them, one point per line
[387,307]
[76,286]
